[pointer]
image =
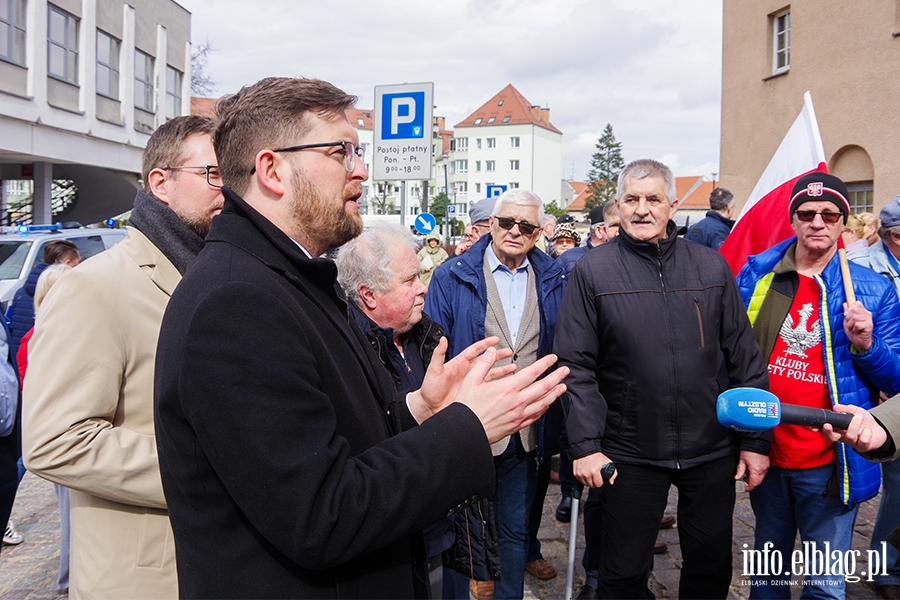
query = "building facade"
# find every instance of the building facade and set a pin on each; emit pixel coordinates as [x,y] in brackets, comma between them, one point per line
[507,141]
[83,84]
[847,54]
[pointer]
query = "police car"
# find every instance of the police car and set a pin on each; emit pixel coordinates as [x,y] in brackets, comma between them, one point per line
[22,247]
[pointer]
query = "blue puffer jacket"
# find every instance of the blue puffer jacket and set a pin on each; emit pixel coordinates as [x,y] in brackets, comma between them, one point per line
[457,297]
[20,316]
[853,378]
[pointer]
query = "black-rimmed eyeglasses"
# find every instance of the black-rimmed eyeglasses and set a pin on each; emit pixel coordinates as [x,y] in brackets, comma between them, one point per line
[213,179]
[351,152]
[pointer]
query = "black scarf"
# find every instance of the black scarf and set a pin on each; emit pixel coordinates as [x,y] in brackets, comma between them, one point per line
[165,230]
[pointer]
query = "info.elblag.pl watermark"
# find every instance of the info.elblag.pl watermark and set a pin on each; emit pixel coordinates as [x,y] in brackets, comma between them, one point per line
[811,561]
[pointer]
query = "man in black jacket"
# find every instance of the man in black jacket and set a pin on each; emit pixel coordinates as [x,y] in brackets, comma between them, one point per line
[291,469]
[653,329]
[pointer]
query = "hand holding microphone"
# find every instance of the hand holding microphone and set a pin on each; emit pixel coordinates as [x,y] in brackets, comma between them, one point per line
[753,409]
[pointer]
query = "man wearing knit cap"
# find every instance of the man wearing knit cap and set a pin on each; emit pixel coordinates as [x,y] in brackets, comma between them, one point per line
[884,257]
[822,350]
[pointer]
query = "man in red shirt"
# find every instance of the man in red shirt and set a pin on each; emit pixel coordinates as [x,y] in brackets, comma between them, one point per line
[822,350]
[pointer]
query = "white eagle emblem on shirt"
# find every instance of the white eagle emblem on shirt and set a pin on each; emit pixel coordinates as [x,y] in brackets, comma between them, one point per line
[798,339]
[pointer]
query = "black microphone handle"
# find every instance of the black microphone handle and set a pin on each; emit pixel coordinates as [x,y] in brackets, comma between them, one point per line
[792,414]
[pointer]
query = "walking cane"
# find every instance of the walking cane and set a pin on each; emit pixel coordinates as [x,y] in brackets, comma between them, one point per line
[577,488]
[575,494]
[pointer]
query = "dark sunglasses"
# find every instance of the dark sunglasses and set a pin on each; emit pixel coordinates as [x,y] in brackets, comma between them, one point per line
[525,228]
[807,216]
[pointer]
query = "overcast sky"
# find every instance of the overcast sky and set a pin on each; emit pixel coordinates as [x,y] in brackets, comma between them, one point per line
[651,68]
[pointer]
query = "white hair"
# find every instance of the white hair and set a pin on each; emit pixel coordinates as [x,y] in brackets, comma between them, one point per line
[367,258]
[521,197]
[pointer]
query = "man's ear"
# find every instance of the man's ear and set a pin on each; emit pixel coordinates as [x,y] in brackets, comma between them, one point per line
[895,238]
[271,172]
[156,181]
[367,297]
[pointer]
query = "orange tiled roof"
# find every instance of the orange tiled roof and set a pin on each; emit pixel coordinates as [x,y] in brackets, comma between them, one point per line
[699,198]
[203,107]
[581,191]
[360,118]
[509,107]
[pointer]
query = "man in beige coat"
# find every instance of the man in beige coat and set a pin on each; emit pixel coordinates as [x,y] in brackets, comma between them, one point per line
[88,400]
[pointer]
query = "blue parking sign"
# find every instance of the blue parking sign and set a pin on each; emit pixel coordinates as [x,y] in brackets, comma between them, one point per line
[403,116]
[495,190]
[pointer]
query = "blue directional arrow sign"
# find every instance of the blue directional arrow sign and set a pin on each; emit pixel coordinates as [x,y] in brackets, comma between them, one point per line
[425,223]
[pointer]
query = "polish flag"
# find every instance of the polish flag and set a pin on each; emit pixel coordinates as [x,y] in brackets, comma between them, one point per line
[764,220]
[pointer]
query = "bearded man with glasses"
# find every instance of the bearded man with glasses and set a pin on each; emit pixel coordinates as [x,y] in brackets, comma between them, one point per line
[503,286]
[87,421]
[292,468]
[823,348]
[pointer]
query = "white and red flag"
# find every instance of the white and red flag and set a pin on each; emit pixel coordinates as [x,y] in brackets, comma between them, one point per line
[764,220]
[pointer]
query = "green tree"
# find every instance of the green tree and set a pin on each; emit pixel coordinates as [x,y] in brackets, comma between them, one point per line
[606,164]
[437,206]
[553,210]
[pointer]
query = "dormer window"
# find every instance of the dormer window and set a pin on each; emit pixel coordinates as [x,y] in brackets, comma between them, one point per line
[500,103]
[490,120]
[478,121]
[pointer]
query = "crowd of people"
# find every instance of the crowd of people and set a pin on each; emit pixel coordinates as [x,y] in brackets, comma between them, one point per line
[230,414]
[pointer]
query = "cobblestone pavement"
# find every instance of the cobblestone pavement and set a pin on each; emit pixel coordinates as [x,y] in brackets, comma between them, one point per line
[28,571]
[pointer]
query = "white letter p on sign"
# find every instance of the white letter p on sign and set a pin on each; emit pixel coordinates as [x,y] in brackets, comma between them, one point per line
[396,118]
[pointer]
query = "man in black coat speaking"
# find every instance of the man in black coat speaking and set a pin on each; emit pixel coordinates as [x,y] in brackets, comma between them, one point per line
[290,467]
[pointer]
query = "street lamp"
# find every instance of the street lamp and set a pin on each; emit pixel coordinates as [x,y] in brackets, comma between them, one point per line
[446,160]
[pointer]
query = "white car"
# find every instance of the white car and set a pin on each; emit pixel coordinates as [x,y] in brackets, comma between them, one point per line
[23,247]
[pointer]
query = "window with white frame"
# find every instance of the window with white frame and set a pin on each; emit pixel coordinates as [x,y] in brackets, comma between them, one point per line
[781,42]
[489,165]
[514,142]
[174,80]
[143,81]
[461,166]
[107,65]
[477,165]
[513,185]
[491,142]
[478,143]
[862,196]
[12,31]
[514,165]
[462,144]
[462,187]
[477,188]
[62,45]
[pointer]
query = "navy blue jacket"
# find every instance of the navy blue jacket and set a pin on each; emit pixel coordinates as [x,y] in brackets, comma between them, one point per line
[20,315]
[457,297]
[711,231]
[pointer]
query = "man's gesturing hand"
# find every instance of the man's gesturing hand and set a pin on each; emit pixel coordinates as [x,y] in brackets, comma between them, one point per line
[506,405]
[442,380]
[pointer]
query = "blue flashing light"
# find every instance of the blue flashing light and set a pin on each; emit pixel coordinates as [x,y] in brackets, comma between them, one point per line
[110,222]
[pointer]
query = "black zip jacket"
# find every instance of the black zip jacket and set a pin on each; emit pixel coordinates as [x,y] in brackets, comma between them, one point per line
[652,334]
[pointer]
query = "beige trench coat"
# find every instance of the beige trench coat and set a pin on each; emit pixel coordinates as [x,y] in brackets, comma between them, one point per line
[87,418]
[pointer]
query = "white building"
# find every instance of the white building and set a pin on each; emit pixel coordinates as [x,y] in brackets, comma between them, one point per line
[506,142]
[83,84]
